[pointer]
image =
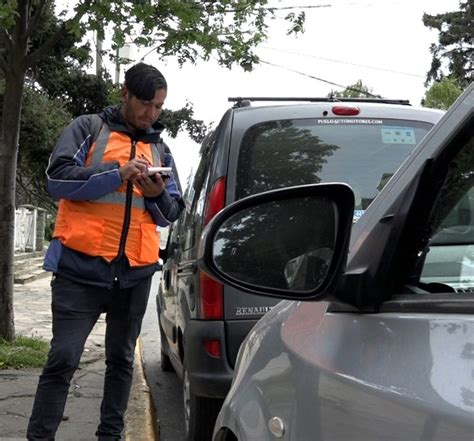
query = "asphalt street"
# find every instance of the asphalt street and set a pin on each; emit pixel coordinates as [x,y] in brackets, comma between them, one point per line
[165,387]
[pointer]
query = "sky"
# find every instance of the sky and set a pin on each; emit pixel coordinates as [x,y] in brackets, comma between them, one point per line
[381,42]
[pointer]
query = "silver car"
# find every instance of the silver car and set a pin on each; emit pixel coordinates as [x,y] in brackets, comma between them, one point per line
[375,340]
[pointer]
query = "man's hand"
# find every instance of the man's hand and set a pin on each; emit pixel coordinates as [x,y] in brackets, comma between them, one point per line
[151,186]
[133,169]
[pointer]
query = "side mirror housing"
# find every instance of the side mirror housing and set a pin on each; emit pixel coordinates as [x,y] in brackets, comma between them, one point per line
[289,243]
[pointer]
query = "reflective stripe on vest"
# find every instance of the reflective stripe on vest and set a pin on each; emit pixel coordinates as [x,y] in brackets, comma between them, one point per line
[120,198]
[100,144]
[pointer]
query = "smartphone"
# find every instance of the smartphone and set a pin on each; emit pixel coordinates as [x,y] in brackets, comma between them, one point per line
[163,171]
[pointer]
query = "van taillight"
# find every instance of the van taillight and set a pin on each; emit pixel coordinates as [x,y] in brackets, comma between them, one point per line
[211,298]
[345,110]
[216,200]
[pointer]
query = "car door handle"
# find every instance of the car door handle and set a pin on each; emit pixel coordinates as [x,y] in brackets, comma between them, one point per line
[187,267]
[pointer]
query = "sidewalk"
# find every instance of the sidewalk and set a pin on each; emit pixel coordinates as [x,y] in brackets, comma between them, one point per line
[33,318]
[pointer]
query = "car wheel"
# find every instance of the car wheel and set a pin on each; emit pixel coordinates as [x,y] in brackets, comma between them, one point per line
[200,413]
[165,362]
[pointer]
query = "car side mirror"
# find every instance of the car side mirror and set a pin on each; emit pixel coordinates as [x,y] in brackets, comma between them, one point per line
[287,243]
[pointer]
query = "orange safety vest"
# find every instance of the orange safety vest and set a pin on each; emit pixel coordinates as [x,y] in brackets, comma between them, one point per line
[94,227]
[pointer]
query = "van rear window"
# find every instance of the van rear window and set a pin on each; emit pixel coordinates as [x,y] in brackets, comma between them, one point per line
[364,153]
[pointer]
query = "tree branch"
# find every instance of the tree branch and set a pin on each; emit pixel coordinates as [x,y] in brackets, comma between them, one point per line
[4,65]
[34,57]
[8,44]
[38,16]
[7,38]
[19,37]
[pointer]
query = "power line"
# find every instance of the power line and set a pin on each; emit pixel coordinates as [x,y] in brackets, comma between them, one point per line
[343,62]
[153,49]
[319,79]
[281,8]
[268,8]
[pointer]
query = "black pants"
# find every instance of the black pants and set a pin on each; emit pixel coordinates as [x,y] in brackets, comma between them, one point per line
[76,308]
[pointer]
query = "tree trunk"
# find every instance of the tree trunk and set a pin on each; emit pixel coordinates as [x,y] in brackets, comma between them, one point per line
[9,137]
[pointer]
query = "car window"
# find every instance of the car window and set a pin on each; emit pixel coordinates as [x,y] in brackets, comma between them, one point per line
[364,153]
[198,183]
[448,260]
[196,197]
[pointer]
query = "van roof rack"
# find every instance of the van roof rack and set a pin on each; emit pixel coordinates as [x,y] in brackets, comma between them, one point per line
[246,101]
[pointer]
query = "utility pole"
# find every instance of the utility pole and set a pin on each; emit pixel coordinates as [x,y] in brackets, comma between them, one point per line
[117,66]
[122,56]
[98,55]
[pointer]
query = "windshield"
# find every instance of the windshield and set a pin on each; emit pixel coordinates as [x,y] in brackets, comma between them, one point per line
[364,153]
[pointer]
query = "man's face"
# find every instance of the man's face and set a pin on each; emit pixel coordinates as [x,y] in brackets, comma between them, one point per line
[141,114]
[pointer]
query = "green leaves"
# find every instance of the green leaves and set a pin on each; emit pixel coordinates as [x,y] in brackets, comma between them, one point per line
[455,44]
[356,90]
[183,119]
[8,13]
[191,30]
[297,22]
[442,94]
[42,120]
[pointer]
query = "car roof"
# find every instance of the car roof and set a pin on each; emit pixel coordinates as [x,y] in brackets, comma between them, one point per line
[247,101]
[270,111]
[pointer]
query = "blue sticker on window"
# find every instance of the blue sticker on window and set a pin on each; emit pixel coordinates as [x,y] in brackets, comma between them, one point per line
[398,135]
[357,215]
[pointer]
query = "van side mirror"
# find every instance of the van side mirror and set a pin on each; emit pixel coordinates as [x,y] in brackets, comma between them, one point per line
[289,243]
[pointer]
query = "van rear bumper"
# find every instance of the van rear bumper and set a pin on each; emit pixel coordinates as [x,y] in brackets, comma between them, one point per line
[208,376]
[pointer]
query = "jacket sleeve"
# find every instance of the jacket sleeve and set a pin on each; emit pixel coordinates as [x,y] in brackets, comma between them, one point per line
[167,207]
[67,175]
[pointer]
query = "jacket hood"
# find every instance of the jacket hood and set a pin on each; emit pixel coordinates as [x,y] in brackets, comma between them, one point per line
[114,119]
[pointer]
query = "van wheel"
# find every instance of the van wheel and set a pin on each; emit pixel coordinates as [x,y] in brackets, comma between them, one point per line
[200,413]
[165,362]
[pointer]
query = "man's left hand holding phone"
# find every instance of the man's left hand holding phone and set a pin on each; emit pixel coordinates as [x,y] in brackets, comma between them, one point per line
[147,179]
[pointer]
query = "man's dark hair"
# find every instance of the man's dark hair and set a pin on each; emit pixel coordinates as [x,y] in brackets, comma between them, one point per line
[143,80]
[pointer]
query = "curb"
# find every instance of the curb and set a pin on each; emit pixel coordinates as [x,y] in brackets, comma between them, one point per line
[140,417]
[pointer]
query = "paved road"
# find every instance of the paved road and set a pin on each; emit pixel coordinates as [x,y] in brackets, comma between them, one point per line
[165,387]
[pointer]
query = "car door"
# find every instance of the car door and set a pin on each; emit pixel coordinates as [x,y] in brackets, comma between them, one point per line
[167,293]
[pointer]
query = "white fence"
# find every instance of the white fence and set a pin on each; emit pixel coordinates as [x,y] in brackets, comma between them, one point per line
[29,228]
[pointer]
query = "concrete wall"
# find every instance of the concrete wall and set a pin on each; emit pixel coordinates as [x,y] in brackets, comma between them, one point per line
[30,222]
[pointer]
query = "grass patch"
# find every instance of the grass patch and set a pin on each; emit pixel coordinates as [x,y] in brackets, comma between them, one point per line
[23,352]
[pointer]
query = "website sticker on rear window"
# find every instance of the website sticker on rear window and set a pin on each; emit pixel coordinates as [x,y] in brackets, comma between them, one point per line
[336,121]
[398,135]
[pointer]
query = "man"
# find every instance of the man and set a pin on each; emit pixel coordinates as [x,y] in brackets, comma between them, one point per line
[105,246]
